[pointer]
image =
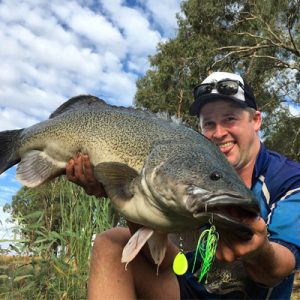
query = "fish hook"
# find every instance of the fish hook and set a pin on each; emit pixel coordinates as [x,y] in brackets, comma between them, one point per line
[211,219]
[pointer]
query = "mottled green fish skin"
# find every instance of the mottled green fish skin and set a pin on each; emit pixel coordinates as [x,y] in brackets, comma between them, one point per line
[173,164]
[116,134]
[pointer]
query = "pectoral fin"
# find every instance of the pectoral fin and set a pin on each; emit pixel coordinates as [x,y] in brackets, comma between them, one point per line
[36,167]
[135,244]
[116,178]
[157,243]
[158,246]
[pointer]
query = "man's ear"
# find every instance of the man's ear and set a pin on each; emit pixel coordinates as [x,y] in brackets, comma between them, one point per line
[257,120]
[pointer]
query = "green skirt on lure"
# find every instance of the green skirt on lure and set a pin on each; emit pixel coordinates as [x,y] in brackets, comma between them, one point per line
[206,248]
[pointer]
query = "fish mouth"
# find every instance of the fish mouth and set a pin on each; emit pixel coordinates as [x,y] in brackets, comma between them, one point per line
[235,207]
[227,212]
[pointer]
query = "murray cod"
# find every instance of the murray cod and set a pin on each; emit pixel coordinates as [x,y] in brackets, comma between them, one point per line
[159,174]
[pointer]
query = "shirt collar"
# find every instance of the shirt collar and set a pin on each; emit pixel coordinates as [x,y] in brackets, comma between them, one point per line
[261,163]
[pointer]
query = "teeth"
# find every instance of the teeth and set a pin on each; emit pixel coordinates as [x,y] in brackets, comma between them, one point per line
[225,144]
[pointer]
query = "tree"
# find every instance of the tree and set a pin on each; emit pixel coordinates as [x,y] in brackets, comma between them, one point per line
[278,139]
[258,39]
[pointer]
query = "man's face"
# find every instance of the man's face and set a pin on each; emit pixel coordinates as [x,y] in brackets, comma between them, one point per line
[232,130]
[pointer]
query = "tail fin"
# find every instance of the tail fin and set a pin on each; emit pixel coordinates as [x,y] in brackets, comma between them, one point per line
[8,156]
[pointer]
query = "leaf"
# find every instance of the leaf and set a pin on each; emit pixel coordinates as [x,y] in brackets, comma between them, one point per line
[61,272]
[55,235]
[34,215]
[38,241]
[18,278]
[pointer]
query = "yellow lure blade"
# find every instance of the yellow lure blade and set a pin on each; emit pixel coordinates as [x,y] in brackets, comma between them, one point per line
[180,264]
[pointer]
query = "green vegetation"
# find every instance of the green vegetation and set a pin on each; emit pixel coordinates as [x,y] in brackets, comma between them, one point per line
[53,261]
[258,39]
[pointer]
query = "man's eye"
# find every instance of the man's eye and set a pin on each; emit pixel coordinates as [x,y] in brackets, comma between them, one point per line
[229,119]
[208,125]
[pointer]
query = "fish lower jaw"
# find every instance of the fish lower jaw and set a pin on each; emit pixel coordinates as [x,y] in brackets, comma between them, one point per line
[230,212]
[209,216]
[224,223]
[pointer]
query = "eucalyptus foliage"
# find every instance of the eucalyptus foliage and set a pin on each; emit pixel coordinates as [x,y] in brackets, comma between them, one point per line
[258,39]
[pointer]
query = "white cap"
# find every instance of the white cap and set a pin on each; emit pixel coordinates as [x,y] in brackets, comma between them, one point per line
[244,95]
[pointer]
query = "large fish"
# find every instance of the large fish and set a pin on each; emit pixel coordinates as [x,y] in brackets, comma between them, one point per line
[164,176]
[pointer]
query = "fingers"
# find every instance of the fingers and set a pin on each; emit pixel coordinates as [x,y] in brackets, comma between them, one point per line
[70,171]
[75,170]
[79,170]
[88,171]
[231,248]
[258,225]
[225,253]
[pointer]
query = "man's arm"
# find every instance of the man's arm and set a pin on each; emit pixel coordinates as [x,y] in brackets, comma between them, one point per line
[266,262]
[272,265]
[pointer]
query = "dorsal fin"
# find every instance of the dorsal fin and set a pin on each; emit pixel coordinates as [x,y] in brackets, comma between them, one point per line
[75,102]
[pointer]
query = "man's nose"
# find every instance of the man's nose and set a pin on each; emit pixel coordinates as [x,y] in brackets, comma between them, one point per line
[220,131]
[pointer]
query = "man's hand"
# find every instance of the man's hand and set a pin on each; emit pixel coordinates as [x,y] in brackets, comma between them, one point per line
[79,171]
[230,247]
[266,262]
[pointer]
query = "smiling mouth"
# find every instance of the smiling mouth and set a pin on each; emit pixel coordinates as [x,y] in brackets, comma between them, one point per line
[225,145]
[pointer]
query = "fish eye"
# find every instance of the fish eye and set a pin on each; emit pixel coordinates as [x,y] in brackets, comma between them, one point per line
[215,176]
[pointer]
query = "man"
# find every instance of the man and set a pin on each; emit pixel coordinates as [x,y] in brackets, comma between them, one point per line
[229,118]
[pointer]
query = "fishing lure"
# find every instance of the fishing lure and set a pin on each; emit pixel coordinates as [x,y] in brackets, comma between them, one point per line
[206,248]
[180,263]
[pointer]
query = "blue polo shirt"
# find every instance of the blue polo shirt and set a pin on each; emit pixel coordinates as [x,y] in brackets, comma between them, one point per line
[276,184]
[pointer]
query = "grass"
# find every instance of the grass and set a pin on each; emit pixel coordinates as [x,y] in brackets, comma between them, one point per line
[54,264]
[296,287]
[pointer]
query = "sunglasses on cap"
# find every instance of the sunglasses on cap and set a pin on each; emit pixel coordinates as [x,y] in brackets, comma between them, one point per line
[224,87]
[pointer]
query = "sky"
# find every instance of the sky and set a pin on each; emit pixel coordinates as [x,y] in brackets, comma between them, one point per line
[54,50]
